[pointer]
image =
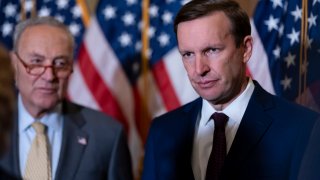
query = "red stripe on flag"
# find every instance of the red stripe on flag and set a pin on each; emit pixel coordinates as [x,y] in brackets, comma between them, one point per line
[99,90]
[165,87]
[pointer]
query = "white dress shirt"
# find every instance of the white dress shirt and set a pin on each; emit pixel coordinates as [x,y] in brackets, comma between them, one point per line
[202,143]
[54,123]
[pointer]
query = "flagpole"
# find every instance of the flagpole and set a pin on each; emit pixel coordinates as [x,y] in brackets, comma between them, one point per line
[303,53]
[144,114]
[305,45]
[85,15]
[22,10]
[34,9]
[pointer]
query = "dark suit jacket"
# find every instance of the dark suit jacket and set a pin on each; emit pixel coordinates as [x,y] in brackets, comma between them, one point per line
[310,166]
[105,155]
[269,143]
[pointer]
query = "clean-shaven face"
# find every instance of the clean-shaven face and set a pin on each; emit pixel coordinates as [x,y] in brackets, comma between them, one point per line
[215,66]
[41,45]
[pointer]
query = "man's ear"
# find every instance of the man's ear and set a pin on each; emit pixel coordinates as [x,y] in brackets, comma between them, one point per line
[14,61]
[248,46]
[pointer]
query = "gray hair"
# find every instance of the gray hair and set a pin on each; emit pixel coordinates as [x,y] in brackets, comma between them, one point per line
[50,21]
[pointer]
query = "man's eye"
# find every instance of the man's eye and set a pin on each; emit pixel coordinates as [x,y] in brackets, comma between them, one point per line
[60,63]
[36,61]
[187,54]
[212,51]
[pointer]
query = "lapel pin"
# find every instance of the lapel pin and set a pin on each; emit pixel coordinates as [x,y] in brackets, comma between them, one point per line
[82,140]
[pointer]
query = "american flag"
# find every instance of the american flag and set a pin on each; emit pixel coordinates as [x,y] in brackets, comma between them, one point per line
[108,71]
[291,53]
[66,11]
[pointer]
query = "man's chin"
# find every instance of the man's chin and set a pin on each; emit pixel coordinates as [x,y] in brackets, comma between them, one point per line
[47,103]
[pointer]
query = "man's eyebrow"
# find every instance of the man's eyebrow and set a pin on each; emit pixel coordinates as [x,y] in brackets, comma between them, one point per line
[35,54]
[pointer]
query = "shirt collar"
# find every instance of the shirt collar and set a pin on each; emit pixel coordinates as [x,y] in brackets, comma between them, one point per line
[235,110]
[52,119]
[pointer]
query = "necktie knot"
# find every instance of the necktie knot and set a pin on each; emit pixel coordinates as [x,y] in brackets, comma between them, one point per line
[39,127]
[220,120]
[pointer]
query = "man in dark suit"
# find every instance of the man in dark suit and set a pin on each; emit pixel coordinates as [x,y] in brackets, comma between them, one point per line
[264,136]
[79,143]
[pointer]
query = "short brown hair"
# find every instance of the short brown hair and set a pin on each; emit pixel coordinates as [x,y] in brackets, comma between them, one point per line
[240,23]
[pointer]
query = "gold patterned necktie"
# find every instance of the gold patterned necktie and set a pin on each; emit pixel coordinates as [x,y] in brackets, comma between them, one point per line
[38,165]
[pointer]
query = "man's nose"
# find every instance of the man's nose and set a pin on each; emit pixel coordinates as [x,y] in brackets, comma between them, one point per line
[49,73]
[202,66]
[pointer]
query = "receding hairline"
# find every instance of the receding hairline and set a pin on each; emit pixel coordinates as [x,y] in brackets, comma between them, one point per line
[21,28]
[230,26]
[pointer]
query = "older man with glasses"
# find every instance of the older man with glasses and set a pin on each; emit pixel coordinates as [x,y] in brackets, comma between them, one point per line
[52,137]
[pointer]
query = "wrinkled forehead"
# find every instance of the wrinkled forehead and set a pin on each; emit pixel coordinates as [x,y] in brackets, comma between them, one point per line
[45,40]
[45,34]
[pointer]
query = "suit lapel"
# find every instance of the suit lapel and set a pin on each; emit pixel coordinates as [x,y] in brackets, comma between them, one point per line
[13,155]
[253,126]
[74,142]
[191,116]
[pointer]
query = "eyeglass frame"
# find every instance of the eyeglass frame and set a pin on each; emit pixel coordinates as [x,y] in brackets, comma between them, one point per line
[29,67]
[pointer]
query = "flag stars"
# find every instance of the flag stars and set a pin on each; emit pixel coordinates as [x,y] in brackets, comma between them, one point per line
[76,11]
[280,30]
[163,39]
[74,29]
[286,83]
[276,52]
[290,60]
[28,5]
[293,36]
[44,11]
[167,17]
[276,3]
[296,13]
[183,2]
[149,53]
[128,19]
[109,12]
[272,23]
[153,11]
[312,20]
[62,4]
[6,29]
[125,39]
[138,46]
[309,42]
[131,2]
[285,8]
[151,31]
[10,10]
[59,18]
[315,1]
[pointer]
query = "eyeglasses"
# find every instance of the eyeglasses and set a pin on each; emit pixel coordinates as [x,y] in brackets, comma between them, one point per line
[61,70]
